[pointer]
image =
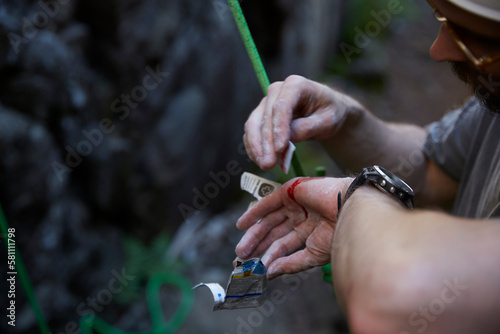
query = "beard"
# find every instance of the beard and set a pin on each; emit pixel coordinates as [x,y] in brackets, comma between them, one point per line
[484,86]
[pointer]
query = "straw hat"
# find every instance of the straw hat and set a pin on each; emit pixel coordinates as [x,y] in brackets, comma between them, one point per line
[489,9]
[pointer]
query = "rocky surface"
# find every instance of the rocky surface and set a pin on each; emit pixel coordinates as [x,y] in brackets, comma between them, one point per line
[120,118]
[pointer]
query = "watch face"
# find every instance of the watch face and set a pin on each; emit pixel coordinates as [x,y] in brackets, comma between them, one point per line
[394,179]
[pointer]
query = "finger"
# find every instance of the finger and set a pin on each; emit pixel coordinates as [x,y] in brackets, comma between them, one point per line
[283,247]
[270,157]
[253,132]
[319,125]
[294,240]
[299,261]
[292,92]
[248,148]
[316,253]
[282,112]
[265,206]
[276,233]
[252,238]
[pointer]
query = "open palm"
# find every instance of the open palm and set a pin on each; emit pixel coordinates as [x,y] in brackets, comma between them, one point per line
[294,225]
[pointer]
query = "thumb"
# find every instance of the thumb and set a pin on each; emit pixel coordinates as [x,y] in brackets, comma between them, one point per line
[319,125]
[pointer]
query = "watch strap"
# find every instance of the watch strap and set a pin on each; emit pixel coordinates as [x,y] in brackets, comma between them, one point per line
[381,181]
[355,184]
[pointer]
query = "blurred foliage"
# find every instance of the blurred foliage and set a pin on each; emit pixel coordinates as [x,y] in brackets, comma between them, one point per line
[365,63]
[359,13]
[143,260]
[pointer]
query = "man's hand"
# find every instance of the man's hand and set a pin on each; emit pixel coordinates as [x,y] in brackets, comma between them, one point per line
[296,109]
[295,224]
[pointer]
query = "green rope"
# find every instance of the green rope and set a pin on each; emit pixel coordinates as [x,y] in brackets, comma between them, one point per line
[246,36]
[90,323]
[264,84]
[258,67]
[297,168]
[154,302]
[25,279]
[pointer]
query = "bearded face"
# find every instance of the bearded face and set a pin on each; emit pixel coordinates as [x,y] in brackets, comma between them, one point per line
[485,87]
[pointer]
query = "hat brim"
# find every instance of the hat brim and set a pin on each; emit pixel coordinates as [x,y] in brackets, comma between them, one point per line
[489,9]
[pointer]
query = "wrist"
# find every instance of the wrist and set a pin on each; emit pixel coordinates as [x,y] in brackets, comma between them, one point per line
[370,198]
[353,123]
[350,117]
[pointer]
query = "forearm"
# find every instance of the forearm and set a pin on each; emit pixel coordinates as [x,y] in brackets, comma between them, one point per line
[358,257]
[365,140]
[390,263]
